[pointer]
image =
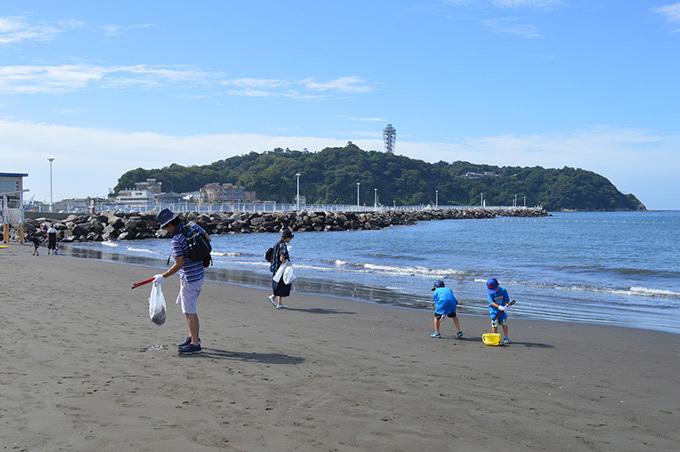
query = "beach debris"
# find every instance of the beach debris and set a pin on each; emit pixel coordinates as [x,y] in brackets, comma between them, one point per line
[155,347]
[157,305]
[159,317]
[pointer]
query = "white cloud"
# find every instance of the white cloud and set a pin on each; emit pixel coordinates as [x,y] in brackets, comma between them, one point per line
[508,4]
[366,119]
[510,25]
[113,30]
[17,29]
[300,89]
[351,84]
[89,161]
[526,3]
[68,78]
[670,13]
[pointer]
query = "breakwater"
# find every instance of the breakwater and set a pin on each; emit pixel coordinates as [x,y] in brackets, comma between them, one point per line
[118,225]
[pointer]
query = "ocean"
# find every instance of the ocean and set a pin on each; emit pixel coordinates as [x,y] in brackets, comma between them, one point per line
[611,268]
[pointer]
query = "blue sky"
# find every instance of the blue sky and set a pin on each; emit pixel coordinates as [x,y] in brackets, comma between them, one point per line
[105,87]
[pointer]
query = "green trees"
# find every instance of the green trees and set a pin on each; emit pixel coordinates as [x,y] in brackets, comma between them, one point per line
[331,175]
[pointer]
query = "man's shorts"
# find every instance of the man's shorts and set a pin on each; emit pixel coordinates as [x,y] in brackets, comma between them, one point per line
[439,316]
[188,294]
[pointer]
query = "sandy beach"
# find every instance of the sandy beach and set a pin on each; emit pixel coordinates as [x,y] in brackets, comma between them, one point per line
[82,370]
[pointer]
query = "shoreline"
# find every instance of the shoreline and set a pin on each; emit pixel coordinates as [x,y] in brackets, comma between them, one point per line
[327,374]
[328,287]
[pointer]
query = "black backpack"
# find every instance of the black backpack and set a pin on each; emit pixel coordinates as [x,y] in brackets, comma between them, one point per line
[199,246]
[268,255]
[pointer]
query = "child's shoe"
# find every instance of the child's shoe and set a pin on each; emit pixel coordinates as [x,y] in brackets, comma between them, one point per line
[506,340]
[436,335]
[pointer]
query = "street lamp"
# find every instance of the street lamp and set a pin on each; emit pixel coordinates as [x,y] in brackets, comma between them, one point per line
[51,159]
[358,183]
[436,198]
[375,200]
[298,191]
[481,200]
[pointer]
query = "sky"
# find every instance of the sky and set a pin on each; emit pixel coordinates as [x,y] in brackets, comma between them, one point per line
[104,87]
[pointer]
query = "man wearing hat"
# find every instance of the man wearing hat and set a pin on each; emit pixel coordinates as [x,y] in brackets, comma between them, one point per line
[498,298]
[191,276]
[445,304]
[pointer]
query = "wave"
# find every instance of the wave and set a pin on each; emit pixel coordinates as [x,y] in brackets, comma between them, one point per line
[226,253]
[141,250]
[633,291]
[110,243]
[417,271]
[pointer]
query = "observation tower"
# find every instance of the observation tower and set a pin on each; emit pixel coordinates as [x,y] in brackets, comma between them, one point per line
[390,137]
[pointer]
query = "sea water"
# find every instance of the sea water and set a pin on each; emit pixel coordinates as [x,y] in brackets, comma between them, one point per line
[614,268]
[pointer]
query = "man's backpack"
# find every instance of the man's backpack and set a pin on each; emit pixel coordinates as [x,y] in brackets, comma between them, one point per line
[268,255]
[199,246]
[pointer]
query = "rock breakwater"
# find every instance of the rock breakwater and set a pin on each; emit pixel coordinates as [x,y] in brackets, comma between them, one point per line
[119,225]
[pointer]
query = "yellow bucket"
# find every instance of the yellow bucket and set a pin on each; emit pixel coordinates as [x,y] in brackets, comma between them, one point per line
[491,338]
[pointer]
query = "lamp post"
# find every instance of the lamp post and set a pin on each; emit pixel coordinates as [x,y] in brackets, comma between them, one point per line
[375,199]
[358,183]
[51,159]
[481,200]
[298,191]
[436,198]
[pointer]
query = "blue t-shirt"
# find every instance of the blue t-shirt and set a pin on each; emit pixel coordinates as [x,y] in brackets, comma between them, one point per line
[500,298]
[192,269]
[444,301]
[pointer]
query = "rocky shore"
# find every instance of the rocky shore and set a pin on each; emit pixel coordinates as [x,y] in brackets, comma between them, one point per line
[119,225]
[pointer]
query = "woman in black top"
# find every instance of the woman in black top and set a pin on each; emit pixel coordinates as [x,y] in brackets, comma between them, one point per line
[280,257]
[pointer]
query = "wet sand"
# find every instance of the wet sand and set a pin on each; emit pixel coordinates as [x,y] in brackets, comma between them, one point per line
[82,370]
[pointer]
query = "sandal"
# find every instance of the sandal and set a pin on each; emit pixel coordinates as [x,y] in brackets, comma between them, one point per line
[459,334]
[436,335]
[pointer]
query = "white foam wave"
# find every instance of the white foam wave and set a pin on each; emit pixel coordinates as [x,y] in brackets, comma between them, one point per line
[141,250]
[110,243]
[644,291]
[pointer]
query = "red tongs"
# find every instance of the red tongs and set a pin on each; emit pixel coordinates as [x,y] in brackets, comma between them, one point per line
[141,283]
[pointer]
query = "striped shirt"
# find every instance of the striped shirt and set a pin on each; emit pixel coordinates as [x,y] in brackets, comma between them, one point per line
[192,269]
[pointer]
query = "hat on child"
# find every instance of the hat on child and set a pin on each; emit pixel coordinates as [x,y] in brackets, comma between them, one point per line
[438,283]
[492,285]
[165,216]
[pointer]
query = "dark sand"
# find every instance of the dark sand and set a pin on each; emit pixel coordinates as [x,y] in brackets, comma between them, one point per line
[326,375]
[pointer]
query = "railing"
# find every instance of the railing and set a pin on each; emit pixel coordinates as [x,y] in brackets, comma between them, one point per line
[267,206]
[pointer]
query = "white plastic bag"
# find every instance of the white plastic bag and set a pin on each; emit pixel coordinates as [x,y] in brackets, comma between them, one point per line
[157,305]
[288,275]
[279,273]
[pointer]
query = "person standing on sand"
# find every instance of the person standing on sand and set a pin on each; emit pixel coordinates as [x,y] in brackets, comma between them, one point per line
[280,257]
[445,304]
[36,244]
[191,275]
[52,240]
[498,298]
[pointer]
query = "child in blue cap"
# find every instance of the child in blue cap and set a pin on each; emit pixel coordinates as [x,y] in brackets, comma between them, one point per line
[445,304]
[498,299]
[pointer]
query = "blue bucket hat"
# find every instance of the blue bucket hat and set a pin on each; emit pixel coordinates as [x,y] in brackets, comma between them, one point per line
[437,284]
[492,285]
[165,216]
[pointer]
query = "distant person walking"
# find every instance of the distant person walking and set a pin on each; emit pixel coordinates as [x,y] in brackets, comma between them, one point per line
[498,299]
[191,276]
[445,304]
[36,244]
[52,240]
[280,257]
